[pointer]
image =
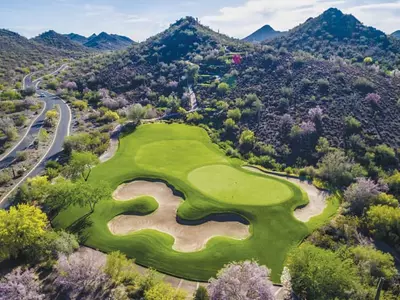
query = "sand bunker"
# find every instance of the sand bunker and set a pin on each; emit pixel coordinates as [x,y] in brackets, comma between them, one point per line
[188,238]
[316,197]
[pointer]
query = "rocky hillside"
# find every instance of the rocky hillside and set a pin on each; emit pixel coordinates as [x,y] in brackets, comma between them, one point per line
[292,89]
[166,57]
[396,34]
[263,34]
[336,34]
[59,41]
[17,53]
[105,41]
[77,38]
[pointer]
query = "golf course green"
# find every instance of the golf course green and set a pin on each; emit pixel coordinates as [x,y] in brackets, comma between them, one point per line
[210,183]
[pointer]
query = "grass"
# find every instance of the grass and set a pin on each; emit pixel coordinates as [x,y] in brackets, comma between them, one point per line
[184,157]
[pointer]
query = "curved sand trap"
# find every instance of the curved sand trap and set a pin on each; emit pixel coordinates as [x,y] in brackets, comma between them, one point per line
[316,197]
[187,238]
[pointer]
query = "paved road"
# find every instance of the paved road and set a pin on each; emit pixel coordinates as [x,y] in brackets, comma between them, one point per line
[56,147]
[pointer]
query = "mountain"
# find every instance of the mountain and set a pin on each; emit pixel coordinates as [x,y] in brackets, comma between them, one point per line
[59,41]
[336,34]
[105,41]
[396,34]
[169,53]
[18,52]
[80,39]
[264,33]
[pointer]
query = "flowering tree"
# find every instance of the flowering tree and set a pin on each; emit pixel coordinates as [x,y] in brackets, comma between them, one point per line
[373,98]
[315,114]
[360,194]
[20,285]
[244,280]
[79,275]
[307,128]
[71,85]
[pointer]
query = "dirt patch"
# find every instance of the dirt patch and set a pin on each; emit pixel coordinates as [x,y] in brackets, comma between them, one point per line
[187,238]
[317,197]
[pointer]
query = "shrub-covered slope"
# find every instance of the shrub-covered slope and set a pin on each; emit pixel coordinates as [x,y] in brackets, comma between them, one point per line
[59,41]
[17,52]
[336,34]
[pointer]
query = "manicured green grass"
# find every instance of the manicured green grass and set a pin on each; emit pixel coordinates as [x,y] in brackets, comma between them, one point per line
[185,158]
[234,186]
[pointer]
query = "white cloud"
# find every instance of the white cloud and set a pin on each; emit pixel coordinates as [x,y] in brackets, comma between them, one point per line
[240,21]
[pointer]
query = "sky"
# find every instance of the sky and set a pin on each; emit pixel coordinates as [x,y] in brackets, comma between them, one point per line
[140,19]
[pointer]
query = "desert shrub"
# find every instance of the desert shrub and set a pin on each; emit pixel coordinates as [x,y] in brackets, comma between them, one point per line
[359,195]
[247,140]
[234,114]
[323,85]
[394,183]
[373,99]
[320,274]
[201,294]
[385,199]
[385,156]
[364,85]
[21,156]
[286,92]
[383,221]
[336,168]
[223,88]
[194,117]
[79,104]
[368,60]
[284,104]
[4,178]
[352,125]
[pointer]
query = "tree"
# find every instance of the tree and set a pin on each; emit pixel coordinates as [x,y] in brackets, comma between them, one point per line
[120,269]
[352,125]
[80,165]
[223,88]
[20,227]
[7,127]
[322,145]
[136,113]
[359,195]
[336,168]
[385,156]
[315,114]
[247,140]
[164,291]
[372,264]
[60,195]
[51,117]
[201,294]
[320,274]
[65,243]
[90,194]
[244,280]
[21,284]
[234,114]
[383,221]
[79,276]
[394,183]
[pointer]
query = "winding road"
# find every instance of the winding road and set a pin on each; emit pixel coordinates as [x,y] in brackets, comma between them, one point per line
[52,153]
